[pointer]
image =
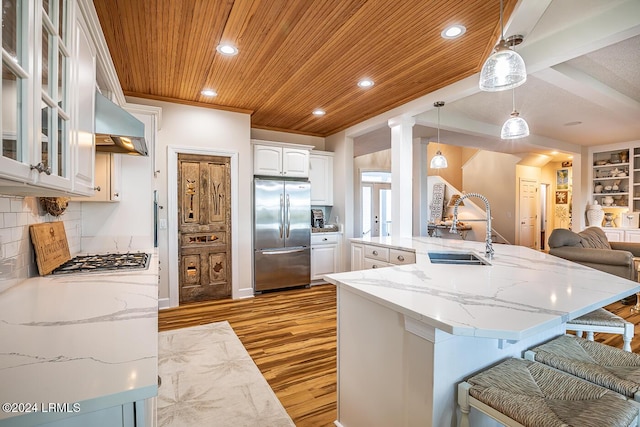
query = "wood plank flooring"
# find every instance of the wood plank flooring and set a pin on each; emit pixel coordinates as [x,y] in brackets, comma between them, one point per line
[291,336]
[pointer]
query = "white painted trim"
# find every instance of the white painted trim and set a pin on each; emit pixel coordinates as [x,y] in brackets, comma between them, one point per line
[172,215]
[420,329]
[163,303]
[145,109]
[282,144]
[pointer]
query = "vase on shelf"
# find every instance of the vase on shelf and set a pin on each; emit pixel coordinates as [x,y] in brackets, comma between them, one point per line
[595,215]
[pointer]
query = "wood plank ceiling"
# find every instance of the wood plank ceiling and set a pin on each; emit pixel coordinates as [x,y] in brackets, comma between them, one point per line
[297,55]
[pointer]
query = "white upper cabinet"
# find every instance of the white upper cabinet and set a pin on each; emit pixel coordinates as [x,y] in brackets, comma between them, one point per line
[321,178]
[83,91]
[279,159]
[39,108]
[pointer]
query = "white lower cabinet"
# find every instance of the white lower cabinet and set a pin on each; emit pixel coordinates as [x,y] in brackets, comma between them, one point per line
[131,414]
[357,257]
[622,235]
[325,254]
[366,256]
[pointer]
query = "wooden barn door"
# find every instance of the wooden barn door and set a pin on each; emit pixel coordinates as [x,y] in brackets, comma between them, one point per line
[204,227]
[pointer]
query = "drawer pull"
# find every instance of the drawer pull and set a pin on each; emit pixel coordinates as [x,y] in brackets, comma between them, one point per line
[400,258]
[374,266]
[325,239]
[375,252]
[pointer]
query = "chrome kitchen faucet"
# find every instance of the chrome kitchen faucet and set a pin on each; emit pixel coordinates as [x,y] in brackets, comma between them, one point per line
[488,244]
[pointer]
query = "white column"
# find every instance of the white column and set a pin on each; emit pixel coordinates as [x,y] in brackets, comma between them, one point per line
[401,176]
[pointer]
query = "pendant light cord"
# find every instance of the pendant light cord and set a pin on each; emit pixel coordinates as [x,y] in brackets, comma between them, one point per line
[438,127]
[501,24]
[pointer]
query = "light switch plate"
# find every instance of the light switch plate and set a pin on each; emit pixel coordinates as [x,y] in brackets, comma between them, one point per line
[163,224]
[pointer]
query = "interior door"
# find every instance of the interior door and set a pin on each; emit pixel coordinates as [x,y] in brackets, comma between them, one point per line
[528,209]
[376,209]
[204,227]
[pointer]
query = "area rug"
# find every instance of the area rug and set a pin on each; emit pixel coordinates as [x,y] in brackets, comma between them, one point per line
[209,379]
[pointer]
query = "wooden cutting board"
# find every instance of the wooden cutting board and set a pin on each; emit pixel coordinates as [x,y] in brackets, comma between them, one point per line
[50,244]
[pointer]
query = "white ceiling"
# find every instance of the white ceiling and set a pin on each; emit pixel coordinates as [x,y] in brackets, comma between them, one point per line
[583,85]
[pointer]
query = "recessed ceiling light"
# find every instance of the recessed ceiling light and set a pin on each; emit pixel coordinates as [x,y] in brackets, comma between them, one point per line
[365,83]
[453,31]
[227,49]
[319,112]
[209,92]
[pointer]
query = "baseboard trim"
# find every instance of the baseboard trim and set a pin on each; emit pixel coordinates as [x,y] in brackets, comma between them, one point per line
[164,303]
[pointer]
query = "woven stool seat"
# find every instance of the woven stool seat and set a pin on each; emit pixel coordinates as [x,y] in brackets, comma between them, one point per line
[601,320]
[595,362]
[532,394]
[599,317]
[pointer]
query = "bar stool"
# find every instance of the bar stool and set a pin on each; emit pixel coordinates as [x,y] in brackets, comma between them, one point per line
[520,392]
[595,362]
[601,320]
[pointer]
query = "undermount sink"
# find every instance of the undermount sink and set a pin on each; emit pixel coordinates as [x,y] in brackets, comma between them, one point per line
[456,258]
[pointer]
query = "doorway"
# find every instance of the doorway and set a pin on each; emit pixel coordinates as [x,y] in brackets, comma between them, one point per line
[375,193]
[528,213]
[544,204]
[204,227]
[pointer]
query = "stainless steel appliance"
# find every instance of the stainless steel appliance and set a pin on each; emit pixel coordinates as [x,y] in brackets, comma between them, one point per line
[282,233]
[105,262]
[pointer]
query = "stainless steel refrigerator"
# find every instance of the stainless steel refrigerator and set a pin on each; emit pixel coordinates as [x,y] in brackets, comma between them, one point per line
[281,233]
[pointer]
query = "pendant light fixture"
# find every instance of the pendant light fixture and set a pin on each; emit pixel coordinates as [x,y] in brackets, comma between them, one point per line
[515,127]
[438,161]
[504,69]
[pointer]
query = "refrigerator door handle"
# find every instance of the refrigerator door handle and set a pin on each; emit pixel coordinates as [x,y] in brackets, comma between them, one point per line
[281,225]
[290,251]
[288,216]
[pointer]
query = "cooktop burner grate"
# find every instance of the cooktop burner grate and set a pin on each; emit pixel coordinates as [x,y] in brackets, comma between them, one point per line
[105,262]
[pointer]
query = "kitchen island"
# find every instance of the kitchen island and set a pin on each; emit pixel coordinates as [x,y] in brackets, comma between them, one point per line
[408,334]
[80,349]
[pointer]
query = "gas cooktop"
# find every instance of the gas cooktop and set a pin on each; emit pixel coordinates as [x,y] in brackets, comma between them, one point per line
[105,262]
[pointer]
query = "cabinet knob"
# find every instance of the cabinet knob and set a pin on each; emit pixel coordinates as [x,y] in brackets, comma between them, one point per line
[374,266]
[375,252]
[116,194]
[400,258]
[97,188]
[325,239]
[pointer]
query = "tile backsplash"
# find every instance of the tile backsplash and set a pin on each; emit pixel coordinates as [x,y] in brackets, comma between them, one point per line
[17,260]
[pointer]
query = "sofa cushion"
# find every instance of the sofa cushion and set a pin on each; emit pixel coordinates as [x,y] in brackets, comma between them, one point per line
[563,237]
[594,237]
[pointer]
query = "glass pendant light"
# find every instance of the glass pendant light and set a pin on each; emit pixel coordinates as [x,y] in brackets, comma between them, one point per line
[438,161]
[505,68]
[516,126]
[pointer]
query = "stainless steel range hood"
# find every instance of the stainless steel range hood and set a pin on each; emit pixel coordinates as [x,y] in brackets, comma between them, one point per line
[117,131]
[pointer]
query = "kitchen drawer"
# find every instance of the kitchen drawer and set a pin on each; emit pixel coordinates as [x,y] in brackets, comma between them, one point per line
[372,263]
[324,239]
[376,252]
[401,257]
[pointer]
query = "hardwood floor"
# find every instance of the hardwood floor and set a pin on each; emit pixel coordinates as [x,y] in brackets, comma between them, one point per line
[291,336]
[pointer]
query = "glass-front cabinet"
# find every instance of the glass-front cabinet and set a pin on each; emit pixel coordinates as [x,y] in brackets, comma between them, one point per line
[37,105]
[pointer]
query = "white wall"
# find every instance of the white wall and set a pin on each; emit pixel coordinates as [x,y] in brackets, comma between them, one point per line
[126,225]
[17,260]
[185,126]
[494,176]
[290,138]
[343,188]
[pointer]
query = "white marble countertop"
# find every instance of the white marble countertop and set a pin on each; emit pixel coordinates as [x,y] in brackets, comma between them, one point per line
[521,293]
[76,338]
